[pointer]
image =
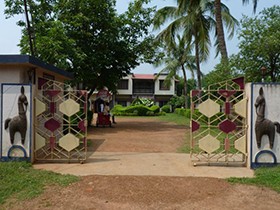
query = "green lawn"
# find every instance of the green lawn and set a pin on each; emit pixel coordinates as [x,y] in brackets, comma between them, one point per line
[264,177]
[178,119]
[21,181]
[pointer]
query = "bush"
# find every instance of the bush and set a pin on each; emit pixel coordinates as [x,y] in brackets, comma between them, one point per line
[136,110]
[118,110]
[155,109]
[180,111]
[183,112]
[166,108]
[150,113]
[142,101]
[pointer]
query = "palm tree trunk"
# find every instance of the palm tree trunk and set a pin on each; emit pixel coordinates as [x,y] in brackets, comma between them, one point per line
[220,32]
[197,61]
[185,86]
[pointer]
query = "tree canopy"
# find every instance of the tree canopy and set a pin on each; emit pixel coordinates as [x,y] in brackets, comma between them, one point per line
[195,21]
[87,37]
[260,46]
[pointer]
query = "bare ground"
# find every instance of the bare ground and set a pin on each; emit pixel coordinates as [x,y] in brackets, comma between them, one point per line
[147,192]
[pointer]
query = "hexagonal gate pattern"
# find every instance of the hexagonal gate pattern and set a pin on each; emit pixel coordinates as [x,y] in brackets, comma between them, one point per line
[60,112]
[218,124]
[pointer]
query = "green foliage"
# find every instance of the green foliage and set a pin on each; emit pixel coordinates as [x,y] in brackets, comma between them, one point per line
[20,180]
[118,110]
[136,110]
[175,118]
[143,101]
[265,177]
[194,20]
[219,73]
[166,108]
[177,101]
[183,112]
[139,110]
[260,46]
[87,37]
[155,108]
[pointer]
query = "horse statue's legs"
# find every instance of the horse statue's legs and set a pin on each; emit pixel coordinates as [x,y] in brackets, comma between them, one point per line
[22,134]
[12,136]
[271,137]
[258,133]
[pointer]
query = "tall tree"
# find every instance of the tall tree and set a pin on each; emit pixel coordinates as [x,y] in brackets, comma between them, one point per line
[195,19]
[88,37]
[194,26]
[178,59]
[219,10]
[260,46]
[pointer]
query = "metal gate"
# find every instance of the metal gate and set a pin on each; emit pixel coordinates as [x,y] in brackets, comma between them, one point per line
[218,124]
[60,123]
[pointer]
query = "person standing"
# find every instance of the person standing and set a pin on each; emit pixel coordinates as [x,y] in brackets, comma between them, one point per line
[111,107]
[106,109]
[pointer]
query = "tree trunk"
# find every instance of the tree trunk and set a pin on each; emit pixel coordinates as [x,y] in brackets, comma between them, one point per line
[28,28]
[185,86]
[272,69]
[197,61]
[220,33]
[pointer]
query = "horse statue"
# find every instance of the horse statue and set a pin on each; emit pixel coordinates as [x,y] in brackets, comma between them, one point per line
[264,126]
[18,123]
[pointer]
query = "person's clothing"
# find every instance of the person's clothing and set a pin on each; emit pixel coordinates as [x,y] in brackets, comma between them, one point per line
[106,110]
[111,114]
[101,108]
[113,119]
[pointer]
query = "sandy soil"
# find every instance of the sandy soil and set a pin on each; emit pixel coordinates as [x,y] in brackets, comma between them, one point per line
[147,192]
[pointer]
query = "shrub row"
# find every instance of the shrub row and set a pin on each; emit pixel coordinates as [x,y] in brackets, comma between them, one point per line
[137,110]
[166,108]
[215,120]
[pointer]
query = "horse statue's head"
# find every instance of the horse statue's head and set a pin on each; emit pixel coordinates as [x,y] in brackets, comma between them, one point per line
[260,103]
[22,99]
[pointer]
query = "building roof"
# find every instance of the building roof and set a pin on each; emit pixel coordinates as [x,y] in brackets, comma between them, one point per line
[143,76]
[27,59]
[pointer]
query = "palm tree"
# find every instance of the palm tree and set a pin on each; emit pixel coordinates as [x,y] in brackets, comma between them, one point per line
[195,21]
[193,25]
[178,59]
[255,4]
[220,11]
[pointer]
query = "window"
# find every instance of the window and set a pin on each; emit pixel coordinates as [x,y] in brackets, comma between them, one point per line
[123,84]
[162,85]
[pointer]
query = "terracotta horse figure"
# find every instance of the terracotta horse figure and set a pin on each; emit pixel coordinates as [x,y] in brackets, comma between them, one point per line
[264,126]
[18,123]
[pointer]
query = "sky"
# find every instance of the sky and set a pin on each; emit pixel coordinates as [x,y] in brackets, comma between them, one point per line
[10,33]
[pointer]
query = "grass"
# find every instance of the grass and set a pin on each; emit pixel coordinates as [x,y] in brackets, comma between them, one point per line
[264,177]
[19,180]
[178,119]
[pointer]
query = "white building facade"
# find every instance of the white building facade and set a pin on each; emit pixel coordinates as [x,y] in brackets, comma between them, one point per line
[150,86]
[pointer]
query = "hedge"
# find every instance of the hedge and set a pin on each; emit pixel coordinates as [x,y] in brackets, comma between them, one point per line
[136,110]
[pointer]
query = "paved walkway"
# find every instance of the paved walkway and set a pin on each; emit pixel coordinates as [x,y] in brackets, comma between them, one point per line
[150,151]
[143,164]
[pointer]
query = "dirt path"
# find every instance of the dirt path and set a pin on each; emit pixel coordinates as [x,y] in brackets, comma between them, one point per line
[148,192]
[138,135]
